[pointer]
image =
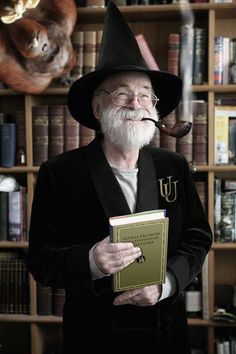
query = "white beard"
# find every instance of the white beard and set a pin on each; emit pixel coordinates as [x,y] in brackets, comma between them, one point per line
[126,134]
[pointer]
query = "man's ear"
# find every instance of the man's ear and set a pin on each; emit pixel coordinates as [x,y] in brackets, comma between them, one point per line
[96,107]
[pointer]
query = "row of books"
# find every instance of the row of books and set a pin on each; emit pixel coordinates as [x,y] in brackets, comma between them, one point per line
[103,3]
[12,139]
[194,145]
[86,45]
[224,60]
[13,215]
[187,54]
[225,344]
[50,301]
[14,284]
[55,131]
[225,210]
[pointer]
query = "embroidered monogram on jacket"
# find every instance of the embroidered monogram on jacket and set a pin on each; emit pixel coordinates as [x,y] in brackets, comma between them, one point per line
[168,189]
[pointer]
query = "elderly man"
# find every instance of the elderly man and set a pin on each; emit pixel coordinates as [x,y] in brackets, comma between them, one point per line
[117,174]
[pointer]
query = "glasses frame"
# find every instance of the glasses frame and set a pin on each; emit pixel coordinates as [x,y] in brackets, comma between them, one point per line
[131,98]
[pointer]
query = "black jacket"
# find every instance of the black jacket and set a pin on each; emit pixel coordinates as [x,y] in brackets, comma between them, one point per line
[75,194]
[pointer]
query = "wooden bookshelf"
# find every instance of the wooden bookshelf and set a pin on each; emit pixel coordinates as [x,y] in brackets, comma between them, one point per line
[155,22]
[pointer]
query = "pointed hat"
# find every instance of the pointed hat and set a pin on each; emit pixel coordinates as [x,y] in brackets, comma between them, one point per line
[119,52]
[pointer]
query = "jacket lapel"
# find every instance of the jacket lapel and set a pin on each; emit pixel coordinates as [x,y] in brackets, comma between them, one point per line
[108,188]
[105,182]
[147,183]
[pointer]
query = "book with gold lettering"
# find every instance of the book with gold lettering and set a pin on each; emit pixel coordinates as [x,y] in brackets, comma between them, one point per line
[149,231]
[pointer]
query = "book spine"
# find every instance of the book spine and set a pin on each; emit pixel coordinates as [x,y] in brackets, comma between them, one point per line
[8,144]
[184,145]
[98,43]
[56,130]
[3,216]
[20,138]
[40,134]
[14,216]
[58,301]
[89,58]
[218,59]
[146,52]
[199,56]
[173,53]
[71,131]
[221,137]
[77,39]
[166,141]
[232,140]
[155,141]
[44,299]
[199,132]
[86,135]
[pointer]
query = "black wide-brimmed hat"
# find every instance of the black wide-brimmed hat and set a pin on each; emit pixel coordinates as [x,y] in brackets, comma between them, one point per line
[119,52]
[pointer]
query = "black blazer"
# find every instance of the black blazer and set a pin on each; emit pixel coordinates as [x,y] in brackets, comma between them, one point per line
[75,194]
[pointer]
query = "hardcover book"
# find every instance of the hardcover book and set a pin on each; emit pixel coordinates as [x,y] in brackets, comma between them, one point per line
[149,231]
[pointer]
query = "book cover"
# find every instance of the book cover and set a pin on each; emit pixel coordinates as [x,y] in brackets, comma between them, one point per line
[149,231]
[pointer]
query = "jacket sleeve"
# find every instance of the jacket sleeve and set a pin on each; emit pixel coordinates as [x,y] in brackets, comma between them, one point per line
[195,234]
[51,259]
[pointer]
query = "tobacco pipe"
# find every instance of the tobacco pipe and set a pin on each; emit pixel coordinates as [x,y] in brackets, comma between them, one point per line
[180,129]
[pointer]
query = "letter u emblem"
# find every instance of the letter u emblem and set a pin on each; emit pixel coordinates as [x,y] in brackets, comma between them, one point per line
[168,190]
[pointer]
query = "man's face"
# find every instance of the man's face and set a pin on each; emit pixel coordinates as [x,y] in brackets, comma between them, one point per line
[121,113]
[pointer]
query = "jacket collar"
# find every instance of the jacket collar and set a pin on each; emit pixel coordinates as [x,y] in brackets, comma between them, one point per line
[108,188]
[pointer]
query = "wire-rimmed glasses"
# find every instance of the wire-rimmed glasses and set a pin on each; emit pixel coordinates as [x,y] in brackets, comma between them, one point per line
[124,97]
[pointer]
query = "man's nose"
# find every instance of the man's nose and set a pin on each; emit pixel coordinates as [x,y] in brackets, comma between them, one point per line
[134,102]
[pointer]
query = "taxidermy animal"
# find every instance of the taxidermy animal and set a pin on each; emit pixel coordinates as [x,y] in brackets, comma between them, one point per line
[35,48]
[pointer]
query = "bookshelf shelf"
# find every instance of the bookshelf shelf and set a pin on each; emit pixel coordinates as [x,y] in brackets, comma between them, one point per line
[227,246]
[12,244]
[30,318]
[156,22]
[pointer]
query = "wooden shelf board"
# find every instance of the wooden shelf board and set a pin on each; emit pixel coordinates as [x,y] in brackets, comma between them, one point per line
[224,246]
[208,323]
[18,169]
[152,12]
[13,244]
[30,319]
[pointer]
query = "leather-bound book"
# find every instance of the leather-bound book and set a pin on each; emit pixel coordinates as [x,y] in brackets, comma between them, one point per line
[71,131]
[20,138]
[40,134]
[184,145]
[166,141]
[86,135]
[56,130]
[199,132]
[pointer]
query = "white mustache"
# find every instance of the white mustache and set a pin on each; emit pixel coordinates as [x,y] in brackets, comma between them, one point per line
[131,115]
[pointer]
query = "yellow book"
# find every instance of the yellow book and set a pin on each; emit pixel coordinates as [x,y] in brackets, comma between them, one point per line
[221,133]
[149,231]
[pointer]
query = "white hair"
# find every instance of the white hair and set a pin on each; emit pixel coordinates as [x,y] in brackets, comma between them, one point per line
[121,129]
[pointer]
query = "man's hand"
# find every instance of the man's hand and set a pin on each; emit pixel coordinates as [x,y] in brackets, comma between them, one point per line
[147,296]
[110,257]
